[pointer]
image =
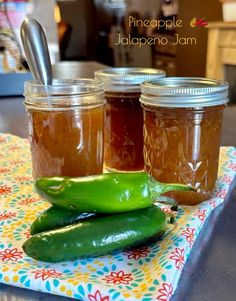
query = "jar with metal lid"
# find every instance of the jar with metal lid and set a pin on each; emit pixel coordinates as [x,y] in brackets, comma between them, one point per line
[66,124]
[123,149]
[182,131]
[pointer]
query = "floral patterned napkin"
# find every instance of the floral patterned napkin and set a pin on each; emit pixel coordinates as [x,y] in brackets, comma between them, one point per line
[146,273]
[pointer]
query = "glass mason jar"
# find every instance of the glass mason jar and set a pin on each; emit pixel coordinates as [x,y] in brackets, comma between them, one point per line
[66,125]
[124,117]
[182,131]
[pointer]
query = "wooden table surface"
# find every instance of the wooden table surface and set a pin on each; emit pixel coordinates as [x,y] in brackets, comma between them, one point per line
[13,120]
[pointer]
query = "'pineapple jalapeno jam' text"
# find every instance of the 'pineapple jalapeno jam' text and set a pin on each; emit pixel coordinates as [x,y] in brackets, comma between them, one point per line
[158,40]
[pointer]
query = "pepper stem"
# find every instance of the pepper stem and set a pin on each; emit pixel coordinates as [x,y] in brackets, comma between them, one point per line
[157,188]
[168,201]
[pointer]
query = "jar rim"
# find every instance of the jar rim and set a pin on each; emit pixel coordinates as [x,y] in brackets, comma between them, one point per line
[118,78]
[64,93]
[64,86]
[184,92]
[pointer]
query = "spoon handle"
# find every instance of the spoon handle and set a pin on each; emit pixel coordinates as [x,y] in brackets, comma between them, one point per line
[36,50]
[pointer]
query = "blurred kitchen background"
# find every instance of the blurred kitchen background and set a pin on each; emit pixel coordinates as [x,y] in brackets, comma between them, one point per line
[84,30]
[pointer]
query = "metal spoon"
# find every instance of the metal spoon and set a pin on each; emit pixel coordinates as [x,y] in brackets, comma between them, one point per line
[36,50]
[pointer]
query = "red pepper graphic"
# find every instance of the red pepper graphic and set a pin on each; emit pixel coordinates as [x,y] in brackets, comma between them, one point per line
[201,22]
[198,22]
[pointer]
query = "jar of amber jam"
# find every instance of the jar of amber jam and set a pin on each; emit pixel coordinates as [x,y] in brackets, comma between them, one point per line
[182,131]
[124,117]
[66,125]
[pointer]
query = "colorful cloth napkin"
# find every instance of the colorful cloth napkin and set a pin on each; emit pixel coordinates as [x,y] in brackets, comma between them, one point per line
[146,273]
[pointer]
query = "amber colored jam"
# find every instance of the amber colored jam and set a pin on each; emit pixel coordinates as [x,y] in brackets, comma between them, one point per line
[181,145]
[123,132]
[66,142]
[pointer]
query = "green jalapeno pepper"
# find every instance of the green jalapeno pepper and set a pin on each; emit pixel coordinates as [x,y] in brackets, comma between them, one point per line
[106,193]
[55,217]
[98,236]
